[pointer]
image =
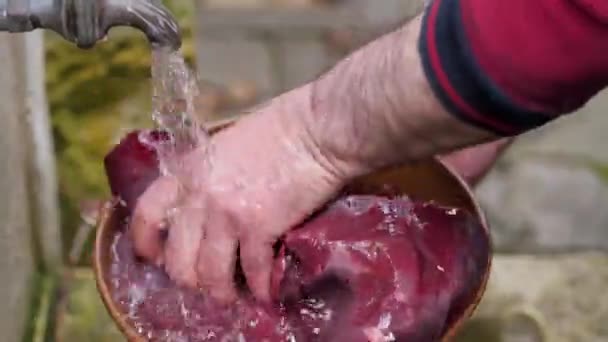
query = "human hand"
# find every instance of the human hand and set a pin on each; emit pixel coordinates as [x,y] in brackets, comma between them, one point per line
[473,163]
[258,179]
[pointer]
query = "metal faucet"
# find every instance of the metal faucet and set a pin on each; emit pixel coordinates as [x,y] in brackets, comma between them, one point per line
[84,22]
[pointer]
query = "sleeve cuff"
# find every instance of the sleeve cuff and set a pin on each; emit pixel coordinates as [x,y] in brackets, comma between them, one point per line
[458,81]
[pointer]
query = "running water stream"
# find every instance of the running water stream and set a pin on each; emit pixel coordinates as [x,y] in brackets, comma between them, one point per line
[175,89]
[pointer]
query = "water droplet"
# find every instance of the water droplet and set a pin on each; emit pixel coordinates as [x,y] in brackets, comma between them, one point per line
[385,321]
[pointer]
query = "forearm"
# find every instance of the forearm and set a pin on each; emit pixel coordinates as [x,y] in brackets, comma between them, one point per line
[376,108]
[475,70]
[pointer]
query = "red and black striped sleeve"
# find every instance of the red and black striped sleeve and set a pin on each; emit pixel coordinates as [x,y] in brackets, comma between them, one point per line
[510,66]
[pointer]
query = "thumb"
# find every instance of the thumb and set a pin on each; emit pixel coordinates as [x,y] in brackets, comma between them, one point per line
[473,163]
[149,226]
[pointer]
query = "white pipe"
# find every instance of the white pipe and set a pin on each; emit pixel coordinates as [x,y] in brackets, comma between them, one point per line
[46,218]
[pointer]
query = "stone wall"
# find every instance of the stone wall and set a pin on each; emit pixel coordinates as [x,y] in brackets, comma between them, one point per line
[545,199]
[272,48]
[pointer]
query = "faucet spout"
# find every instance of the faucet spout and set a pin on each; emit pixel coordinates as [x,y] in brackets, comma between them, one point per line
[84,22]
[149,16]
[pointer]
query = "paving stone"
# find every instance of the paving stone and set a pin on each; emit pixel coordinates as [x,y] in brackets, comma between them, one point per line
[545,195]
[556,298]
[537,205]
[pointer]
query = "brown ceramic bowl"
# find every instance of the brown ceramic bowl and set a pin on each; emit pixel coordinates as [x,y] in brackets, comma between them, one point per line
[430,180]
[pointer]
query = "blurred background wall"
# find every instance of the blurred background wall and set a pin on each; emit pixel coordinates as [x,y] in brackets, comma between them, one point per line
[62,109]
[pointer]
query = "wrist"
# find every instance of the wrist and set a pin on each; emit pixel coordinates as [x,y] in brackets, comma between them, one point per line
[295,117]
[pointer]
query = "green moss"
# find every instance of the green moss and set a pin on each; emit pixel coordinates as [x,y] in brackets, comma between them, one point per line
[41,309]
[601,171]
[480,330]
[88,91]
[82,315]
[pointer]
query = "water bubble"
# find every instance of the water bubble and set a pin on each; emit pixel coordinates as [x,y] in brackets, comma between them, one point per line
[385,321]
[358,205]
[137,294]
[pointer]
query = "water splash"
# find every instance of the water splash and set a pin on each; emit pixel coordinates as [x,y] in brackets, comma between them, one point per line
[175,89]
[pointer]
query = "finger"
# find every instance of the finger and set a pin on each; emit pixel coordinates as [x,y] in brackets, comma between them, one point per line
[217,259]
[473,163]
[148,223]
[181,250]
[256,259]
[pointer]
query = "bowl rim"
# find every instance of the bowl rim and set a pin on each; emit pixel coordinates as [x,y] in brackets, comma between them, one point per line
[106,212]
